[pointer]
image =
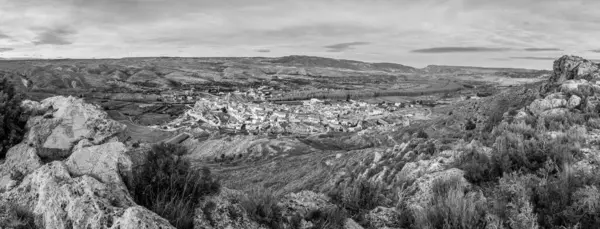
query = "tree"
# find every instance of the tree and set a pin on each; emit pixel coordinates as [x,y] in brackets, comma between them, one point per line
[12,117]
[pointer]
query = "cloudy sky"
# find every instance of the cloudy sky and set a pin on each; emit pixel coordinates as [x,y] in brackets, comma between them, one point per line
[507,33]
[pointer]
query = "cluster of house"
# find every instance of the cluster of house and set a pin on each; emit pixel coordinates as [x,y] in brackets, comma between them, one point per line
[191,95]
[313,116]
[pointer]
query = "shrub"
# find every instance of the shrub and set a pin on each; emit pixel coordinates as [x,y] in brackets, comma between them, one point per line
[328,218]
[478,167]
[168,186]
[422,134]
[451,207]
[567,200]
[358,197]
[12,117]
[512,201]
[18,217]
[261,205]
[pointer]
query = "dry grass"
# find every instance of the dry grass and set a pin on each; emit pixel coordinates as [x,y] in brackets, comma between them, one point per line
[451,208]
[168,186]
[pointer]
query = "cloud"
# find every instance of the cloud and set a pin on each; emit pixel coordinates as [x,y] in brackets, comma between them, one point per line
[542,49]
[6,49]
[344,46]
[263,50]
[55,36]
[532,58]
[4,36]
[459,49]
[595,50]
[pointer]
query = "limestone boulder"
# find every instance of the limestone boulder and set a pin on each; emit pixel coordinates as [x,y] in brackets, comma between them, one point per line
[108,163]
[579,87]
[552,101]
[68,121]
[574,102]
[574,67]
[59,201]
[20,161]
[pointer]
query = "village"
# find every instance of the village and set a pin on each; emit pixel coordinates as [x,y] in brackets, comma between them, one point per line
[244,112]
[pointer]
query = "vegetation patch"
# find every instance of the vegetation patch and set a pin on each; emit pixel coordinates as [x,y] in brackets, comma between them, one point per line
[168,186]
[13,117]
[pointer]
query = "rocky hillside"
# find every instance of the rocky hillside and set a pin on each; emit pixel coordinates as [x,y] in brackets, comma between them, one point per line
[530,160]
[72,171]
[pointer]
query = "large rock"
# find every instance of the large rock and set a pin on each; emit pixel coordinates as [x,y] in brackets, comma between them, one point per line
[108,163]
[61,201]
[574,102]
[581,88]
[552,101]
[20,161]
[69,121]
[574,67]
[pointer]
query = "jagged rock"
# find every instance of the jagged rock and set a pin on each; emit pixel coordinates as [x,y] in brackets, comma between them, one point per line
[139,217]
[574,67]
[107,162]
[579,87]
[20,161]
[550,102]
[21,158]
[62,201]
[422,187]
[224,211]
[71,120]
[382,217]
[574,101]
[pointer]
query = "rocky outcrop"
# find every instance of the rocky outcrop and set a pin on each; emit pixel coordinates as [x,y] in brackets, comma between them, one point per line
[108,163]
[67,121]
[63,201]
[20,160]
[574,67]
[86,190]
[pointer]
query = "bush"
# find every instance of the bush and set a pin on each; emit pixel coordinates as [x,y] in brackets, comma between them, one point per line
[12,117]
[452,207]
[261,205]
[329,218]
[168,186]
[478,167]
[422,134]
[17,217]
[512,202]
[567,200]
[358,198]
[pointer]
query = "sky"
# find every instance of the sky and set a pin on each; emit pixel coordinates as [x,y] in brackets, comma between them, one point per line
[491,33]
